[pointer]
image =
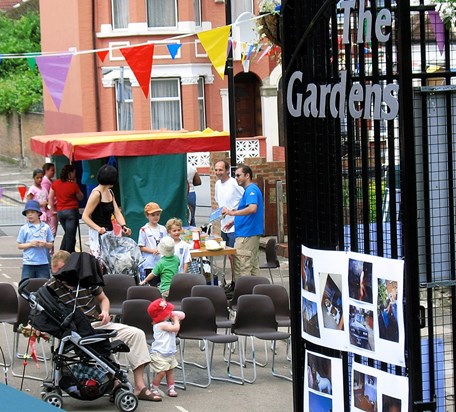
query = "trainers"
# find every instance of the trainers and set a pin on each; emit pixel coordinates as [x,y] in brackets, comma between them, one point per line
[172,392]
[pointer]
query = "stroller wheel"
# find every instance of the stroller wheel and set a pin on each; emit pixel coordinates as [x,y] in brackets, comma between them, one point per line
[126,401]
[54,399]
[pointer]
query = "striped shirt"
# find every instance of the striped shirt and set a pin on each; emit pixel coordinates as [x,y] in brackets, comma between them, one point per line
[85,298]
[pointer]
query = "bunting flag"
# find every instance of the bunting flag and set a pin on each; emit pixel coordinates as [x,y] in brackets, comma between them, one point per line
[173,49]
[215,42]
[249,52]
[266,50]
[54,70]
[140,59]
[228,50]
[102,54]
[31,60]
[439,29]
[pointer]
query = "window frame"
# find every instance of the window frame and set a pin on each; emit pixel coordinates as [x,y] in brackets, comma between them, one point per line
[149,26]
[177,98]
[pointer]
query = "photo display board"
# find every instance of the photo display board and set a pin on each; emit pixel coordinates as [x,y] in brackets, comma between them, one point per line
[353,302]
[375,390]
[320,394]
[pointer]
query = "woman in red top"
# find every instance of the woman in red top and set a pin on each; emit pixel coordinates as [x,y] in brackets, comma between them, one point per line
[67,194]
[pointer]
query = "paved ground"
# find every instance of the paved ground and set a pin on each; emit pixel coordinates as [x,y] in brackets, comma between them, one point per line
[267,392]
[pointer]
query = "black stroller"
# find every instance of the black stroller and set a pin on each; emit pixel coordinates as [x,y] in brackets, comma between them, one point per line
[82,364]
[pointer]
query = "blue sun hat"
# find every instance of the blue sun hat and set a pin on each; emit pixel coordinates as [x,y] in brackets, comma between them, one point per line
[32,205]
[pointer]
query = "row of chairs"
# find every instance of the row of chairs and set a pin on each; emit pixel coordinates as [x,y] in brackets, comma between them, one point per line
[14,310]
[260,309]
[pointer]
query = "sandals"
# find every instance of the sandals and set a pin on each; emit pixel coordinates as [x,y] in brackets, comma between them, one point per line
[154,396]
[172,392]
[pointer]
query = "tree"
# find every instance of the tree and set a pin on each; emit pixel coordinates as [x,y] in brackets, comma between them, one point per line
[21,86]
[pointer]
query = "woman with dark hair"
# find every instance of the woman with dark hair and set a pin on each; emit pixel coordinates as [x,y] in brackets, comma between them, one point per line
[101,206]
[64,196]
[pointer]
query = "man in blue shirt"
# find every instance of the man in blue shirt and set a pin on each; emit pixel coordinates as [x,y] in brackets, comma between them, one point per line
[249,223]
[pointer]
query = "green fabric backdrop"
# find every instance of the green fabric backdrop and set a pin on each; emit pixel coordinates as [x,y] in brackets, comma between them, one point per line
[161,179]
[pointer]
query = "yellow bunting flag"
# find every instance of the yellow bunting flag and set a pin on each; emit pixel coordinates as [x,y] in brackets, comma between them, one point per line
[215,42]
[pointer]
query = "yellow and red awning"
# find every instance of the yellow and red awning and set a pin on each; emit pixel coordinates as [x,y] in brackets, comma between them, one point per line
[86,146]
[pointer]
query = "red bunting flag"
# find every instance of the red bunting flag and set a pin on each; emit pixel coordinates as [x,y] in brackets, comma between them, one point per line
[140,61]
[102,54]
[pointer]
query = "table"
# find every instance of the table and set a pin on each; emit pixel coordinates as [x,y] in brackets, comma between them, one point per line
[203,252]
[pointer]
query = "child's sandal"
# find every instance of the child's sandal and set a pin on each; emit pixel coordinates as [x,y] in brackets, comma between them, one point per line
[172,392]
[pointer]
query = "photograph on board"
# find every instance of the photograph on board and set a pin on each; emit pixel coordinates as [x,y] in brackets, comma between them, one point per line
[331,301]
[360,280]
[365,391]
[361,328]
[310,323]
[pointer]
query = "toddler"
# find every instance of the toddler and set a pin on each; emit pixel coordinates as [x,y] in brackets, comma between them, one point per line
[163,351]
[181,249]
[166,267]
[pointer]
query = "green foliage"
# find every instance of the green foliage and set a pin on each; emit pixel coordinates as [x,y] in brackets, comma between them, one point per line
[21,86]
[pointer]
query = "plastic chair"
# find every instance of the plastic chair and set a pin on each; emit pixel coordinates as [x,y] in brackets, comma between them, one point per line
[115,288]
[9,308]
[244,286]
[271,259]
[22,319]
[218,298]
[134,313]
[181,287]
[279,296]
[199,324]
[143,292]
[255,318]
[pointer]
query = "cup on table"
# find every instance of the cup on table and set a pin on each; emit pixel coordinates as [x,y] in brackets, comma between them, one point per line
[223,244]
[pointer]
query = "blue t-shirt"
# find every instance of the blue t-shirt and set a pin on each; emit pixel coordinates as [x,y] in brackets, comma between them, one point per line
[253,224]
[29,232]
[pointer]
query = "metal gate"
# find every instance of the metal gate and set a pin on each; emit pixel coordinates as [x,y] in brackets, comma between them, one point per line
[373,170]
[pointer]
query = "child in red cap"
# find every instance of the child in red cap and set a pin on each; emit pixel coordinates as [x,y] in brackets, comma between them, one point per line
[163,351]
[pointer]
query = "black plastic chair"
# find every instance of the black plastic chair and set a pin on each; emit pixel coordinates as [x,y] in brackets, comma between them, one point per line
[255,318]
[181,287]
[9,308]
[218,298]
[244,286]
[115,288]
[279,296]
[271,259]
[143,292]
[22,319]
[199,324]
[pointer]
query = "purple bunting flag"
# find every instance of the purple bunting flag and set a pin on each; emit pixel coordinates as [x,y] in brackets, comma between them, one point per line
[439,29]
[54,70]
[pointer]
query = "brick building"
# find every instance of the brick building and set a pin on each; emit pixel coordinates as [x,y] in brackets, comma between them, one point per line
[186,92]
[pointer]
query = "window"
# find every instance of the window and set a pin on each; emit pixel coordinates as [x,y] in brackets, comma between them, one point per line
[201,104]
[197,11]
[165,102]
[124,104]
[161,13]
[240,6]
[120,14]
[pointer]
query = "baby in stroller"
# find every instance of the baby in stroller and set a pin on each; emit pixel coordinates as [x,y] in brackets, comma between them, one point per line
[83,367]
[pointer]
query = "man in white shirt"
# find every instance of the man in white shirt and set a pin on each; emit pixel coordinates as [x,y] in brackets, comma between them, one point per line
[227,194]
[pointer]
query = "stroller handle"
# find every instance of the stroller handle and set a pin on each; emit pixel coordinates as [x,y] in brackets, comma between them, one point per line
[27,295]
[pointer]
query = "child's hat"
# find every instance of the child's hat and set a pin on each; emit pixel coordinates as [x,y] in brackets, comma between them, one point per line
[32,205]
[166,246]
[152,207]
[159,310]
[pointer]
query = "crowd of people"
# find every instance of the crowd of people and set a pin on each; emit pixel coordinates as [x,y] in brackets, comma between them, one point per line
[165,253]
